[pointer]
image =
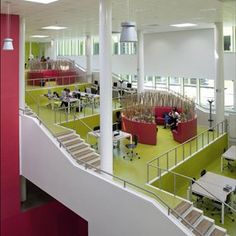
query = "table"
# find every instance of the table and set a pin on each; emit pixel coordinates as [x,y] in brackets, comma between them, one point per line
[229,154]
[211,186]
[117,135]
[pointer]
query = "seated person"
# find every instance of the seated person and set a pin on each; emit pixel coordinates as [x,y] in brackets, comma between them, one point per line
[175,116]
[56,95]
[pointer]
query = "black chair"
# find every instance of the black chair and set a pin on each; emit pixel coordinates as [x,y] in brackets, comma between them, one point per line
[131,147]
[229,164]
[203,172]
[199,199]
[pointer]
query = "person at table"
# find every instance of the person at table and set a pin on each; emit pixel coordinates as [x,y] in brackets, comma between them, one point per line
[64,97]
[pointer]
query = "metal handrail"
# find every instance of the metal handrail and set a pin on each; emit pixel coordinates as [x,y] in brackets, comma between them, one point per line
[34,100]
[194,181]
[189,140]
[125,182]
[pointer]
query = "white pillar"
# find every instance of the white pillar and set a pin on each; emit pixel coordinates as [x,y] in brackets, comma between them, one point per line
[53,49]
[22,64]
[140,70]
[22,90]
[219,81]
[105,40]
[89,58]
[30,50]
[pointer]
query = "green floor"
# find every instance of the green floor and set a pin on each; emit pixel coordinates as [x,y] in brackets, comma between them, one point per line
[134,171]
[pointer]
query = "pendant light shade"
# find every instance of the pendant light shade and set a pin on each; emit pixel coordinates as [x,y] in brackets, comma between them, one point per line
[7,44]
[128,32]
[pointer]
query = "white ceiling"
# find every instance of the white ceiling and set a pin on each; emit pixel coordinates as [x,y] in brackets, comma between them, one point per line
[82,16]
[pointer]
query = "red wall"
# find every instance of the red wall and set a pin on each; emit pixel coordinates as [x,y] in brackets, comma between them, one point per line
[52,219]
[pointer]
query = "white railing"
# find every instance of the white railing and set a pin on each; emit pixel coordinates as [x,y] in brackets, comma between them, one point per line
[179,154]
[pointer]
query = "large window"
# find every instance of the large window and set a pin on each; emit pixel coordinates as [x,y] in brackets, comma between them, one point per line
[230,39]
[71,47]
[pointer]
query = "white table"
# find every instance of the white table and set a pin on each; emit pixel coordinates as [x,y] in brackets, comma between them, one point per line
[211,186]
[229,154]
[117,135]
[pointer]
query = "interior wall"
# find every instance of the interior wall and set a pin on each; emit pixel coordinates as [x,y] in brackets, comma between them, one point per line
[109,208]
[187,53]
[52,219]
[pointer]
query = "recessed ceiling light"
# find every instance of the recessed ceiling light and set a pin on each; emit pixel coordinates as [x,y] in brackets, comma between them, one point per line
[54,27]
[39,36]
[183,25]
[42,1]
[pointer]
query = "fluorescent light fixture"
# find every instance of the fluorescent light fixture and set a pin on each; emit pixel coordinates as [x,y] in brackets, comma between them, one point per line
[42,1]
[54,27]
[39,36]
[183,25]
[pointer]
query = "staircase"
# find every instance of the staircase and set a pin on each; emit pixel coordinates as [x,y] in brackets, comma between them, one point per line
[203,225]
[78,149]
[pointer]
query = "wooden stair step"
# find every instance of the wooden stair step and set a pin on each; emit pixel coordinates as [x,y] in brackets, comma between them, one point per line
[181,208]
[89,158]
[203,227]
[63,133]
[192,217]
[96,163]
[68,137]
[217,232]
[78,147]
[74,142]
[83,153]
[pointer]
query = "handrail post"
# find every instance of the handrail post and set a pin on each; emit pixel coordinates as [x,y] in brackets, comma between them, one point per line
[158,165]
[183,151]
[148,173]
[55,117]
[202,140]
[167,160]
[174,184]
[124,184]
[175,156]
[208,137]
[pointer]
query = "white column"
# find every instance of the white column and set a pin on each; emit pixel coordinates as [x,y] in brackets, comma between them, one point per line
[219,81]
[105,39]
[53,49]
[140,69]
[30,50]
[22,64]
[22,90]
[89,58]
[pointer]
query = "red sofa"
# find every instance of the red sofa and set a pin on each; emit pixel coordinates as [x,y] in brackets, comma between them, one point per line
[146,132]
[159,114]
[40,77]
[185,131]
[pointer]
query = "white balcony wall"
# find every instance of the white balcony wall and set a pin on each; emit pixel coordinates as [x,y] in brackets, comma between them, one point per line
[107,206]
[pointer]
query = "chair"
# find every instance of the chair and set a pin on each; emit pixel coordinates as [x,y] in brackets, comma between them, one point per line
[131,147]
[203,172]
[217,208]
[229,164]
[199,198]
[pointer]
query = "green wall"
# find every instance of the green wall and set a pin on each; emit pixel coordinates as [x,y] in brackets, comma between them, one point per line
[37,50]
[90,121]
[193,166]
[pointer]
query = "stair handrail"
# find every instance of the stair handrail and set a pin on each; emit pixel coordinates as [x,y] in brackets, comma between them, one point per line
[192,180]
[223,125]
[35,101]
[125,182]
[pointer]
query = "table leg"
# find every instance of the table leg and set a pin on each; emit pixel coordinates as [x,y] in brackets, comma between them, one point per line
[222,213]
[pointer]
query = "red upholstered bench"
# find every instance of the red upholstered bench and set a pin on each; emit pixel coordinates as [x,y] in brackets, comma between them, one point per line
[146,132]
[185,130]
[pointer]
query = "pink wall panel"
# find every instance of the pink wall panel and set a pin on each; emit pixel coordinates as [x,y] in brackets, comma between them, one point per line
[52,219]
